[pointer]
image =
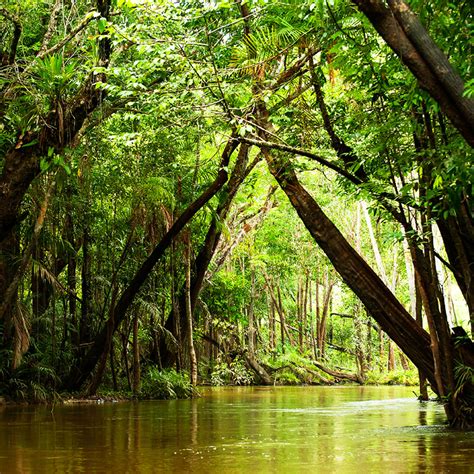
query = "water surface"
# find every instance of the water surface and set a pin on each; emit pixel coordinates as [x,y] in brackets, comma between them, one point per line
[239,430]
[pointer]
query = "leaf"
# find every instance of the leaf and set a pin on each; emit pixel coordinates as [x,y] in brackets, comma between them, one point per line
[33,142]
[438,182]
[44,164]
[101,24]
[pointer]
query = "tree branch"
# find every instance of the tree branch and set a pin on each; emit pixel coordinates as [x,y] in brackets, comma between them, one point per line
[298,151]
[85,21]
[16,33]
[53,21]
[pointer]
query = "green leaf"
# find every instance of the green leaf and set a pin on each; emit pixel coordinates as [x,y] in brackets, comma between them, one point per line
[33,142]
[44,164]
[101,24]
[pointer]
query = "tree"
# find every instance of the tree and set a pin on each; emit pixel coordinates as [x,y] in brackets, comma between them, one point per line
[387,311]
[404,33]
[52,129]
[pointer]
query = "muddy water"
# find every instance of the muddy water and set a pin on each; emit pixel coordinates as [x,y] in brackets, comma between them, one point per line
[239,430]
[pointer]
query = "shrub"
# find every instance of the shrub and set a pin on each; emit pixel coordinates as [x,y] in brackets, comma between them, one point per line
[33,381]
[235,373]
[397,377]
[166,384]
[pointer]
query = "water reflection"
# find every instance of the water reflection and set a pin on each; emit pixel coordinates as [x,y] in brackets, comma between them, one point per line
[233,430]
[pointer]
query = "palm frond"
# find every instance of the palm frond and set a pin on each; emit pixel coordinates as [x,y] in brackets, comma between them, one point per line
[153,309]
[46,275]
[264,45]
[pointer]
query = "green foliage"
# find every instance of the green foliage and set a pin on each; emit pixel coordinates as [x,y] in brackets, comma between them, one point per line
[464,377]
[179,83]
[32,381]
[396,377]
[53,76]
[231,373]
[292,368]
[166,384]
[287,377]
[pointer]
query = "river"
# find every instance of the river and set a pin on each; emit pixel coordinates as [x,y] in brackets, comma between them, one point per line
[344,429]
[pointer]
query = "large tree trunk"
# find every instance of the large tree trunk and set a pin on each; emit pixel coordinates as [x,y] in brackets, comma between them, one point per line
[404,33]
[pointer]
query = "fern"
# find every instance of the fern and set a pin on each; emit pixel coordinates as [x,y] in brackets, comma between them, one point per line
[264,45]
[151,308]
[167,384]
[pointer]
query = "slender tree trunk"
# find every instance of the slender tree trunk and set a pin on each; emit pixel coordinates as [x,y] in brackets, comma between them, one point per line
[85,333]
[71,282]
[305,309]
[271,316]
[136,356]
[359,343]
[318,318]
[112,367]
[299,312]
[251,317]
[125,358]
[419,319]
[324,315]
[277,304]
[281,312]
[176,304]
[189,315]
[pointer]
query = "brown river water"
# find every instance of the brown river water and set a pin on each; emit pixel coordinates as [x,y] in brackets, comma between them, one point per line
[253,430]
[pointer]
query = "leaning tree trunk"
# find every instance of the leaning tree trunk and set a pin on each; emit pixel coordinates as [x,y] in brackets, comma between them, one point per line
[403,32]
[356,273]
[206,253]
[100,348]
[377,298]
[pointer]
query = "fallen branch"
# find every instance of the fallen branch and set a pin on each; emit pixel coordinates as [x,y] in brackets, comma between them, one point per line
[338,375]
